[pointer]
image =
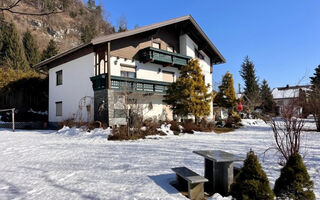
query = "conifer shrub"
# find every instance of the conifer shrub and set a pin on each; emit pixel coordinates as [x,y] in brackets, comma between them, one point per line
[251,182]
[236,118]
[294,181]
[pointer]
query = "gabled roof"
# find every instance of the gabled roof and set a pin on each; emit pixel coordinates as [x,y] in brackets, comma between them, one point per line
[188,18]
[289,92]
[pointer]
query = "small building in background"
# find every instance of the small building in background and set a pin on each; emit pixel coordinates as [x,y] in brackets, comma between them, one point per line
[284,96]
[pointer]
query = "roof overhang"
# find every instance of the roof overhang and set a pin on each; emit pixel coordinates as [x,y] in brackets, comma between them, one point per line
[189,22]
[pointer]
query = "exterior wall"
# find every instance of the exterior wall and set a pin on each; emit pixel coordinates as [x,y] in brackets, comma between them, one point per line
[129,47]
[76,84]
[147,71]
[77,73]
[187,47]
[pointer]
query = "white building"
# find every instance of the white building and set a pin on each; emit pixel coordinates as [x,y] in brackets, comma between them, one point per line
[145,60]
[285,96]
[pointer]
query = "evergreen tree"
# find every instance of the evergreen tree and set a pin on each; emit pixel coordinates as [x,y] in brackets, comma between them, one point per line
[268,104]
[89,31]
[122,24]
[315,80]
[294,181]
[247,72]
[189,94]
[30,48]
[11,53]
[226,97]
[251,182]
[91,4]
[314,97]
[50,51]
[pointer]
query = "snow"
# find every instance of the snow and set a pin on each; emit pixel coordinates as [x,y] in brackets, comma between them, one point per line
[83,132]
[165,128]
[38,112]
[288,92]
[78,164]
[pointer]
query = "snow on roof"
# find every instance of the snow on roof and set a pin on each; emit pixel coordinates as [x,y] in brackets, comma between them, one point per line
[288,92]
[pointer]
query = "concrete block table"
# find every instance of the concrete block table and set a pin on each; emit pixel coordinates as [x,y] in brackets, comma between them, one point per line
[218,169]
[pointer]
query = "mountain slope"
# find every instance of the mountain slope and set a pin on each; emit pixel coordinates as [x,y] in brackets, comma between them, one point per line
[64,28]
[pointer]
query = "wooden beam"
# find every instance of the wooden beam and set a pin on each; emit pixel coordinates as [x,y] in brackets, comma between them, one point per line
[108,66]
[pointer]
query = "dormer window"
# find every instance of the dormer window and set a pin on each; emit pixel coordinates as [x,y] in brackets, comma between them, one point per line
[198,54]
[156,45]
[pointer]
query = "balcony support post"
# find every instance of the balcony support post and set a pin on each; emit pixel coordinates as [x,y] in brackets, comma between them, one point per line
[108,66]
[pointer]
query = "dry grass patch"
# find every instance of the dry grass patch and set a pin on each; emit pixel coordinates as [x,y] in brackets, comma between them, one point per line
[220,130]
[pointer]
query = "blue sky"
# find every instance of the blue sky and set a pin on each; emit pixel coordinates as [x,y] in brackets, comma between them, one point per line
[282,37]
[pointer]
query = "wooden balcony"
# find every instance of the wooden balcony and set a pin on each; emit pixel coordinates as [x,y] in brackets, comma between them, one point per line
[129,84]
[163,57]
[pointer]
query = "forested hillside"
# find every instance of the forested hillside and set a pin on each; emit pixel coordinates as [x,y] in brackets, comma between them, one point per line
[75,22]
[34,30]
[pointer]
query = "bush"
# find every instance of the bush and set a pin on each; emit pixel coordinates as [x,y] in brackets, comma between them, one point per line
[206,126]
[251,182]
[189,126]
[294,181]
[120,133]
[236,118]
[174,126]
[151,127]
[90,125]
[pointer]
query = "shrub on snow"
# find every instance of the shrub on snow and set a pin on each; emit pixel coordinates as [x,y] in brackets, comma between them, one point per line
[251,182]
[294,181]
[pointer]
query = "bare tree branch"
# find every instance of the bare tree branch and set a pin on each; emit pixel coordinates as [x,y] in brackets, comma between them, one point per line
[16,4]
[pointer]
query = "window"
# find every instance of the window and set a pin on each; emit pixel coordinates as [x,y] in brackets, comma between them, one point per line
[171,49]
[59,77]
[59,108]
[128,71]
[156,45]
[198,54]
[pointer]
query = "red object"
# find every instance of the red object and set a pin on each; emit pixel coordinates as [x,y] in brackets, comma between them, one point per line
[240,107]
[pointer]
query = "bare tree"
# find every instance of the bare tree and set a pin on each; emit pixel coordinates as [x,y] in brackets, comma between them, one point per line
[287,131]
[14,4]
[134,105]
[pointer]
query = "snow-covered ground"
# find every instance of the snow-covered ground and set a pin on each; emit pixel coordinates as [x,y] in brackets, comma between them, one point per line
[65,165]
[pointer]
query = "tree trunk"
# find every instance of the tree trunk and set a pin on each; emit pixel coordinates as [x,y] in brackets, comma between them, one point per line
[196,119]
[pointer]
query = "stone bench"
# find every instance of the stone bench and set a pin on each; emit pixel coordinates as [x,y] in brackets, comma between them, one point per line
[193,181]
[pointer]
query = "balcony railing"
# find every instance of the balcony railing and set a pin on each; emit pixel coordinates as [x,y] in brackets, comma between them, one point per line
[163,57]
[129,84]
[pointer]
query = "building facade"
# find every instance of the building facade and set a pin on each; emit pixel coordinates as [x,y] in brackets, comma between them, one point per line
[93,81]
[289,95]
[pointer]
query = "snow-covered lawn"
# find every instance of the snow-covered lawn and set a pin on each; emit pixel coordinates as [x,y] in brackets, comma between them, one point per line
[49,165]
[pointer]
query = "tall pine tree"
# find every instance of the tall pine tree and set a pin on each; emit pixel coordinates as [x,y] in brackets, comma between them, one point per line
[11,53]
[268,104]
[226,97]
[189,94]
[314,100]
[50,51]
[315,79]
[89,31]
[30,48]
[247,72]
